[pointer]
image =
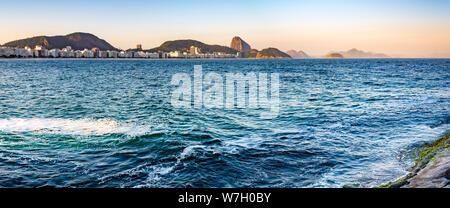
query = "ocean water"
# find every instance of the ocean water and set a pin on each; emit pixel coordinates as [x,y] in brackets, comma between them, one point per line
[110,123]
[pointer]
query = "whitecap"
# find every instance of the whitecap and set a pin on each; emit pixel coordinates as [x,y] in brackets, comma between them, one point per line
[70,126]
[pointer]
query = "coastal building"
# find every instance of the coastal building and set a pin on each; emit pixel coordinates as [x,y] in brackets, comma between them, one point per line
[163,55]
[20,52]
[86,53]
[142,54]
[35,53]
[152,55]
[43,52]
[78,54]
[6,52]
[112,54]
[53,53]
[68,52]
[139,47]
[122,54]
[95,51]
[125,54]
[102,54]
[194,51]
[29,51]
[38,47]
[177,54]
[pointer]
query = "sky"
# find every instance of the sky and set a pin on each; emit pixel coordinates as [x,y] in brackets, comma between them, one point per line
[413,28]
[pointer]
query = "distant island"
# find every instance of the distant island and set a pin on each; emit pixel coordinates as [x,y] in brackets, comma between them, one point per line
[352,53]
[86,45]
[298,54]
[355,53]
[334,56]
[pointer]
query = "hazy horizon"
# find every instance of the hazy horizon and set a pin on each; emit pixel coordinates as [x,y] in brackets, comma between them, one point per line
[398,29]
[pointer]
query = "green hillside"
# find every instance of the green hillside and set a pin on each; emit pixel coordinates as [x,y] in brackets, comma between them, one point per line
[78,41]
[184,45]
[272,53]
[250,53]
[267,53]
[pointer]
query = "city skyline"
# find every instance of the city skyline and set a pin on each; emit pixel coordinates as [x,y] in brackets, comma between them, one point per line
[399,29]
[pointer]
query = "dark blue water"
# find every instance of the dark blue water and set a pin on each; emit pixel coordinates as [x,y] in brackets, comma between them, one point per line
[110,123]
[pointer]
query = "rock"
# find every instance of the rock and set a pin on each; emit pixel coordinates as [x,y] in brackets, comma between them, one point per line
[240,45]
[434,175]
[447,174]
[431,169]
[443,184]
[353,185]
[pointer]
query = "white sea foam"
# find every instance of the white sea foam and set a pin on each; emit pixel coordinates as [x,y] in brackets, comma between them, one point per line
[189,151]
[69,126]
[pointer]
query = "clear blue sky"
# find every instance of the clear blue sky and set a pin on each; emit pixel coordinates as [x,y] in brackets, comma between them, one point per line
[403,28]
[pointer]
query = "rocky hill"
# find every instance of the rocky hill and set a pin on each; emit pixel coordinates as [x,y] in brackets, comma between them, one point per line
[250,53]
[272,53]
[297,54]
[78,41]
[268,53]
[240,45]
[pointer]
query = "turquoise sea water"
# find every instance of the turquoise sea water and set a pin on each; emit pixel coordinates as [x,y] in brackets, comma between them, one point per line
[110,123]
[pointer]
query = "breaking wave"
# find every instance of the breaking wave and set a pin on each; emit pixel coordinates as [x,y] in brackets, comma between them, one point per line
[70,126]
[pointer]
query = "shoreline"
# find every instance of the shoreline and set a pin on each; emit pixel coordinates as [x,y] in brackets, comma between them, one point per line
[431,169]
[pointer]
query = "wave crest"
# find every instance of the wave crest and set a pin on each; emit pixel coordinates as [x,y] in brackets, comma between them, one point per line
[70,126]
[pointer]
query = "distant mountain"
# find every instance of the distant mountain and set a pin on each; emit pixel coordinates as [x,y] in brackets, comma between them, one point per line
[334,56]
[268,53]
[298,54]
[78,41]
[240,45]
[355,53]
[185,45]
